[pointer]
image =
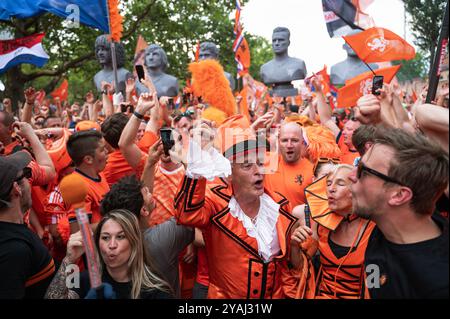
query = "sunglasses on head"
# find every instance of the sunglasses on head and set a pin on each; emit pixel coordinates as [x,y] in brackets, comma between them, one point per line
[325,160]
[187,114]
[363,168]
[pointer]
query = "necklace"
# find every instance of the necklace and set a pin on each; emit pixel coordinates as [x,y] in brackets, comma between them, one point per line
[254,219]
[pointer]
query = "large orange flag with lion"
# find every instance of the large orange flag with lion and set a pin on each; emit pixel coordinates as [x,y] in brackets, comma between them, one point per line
[380,45]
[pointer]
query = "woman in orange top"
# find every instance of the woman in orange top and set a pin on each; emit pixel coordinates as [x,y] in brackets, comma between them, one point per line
[342,237]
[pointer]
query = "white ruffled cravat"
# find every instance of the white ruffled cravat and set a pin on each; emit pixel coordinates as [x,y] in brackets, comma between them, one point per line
[265,229]
[209,164]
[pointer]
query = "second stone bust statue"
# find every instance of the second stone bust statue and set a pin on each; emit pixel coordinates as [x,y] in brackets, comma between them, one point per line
[156,63]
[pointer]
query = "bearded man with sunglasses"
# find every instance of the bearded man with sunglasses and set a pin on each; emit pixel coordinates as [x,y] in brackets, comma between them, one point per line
[396,185]
[26,267]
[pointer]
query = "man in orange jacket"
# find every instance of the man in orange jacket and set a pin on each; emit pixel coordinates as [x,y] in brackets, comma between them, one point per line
[246,228]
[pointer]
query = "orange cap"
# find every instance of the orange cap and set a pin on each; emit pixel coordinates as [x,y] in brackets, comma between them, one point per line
[87,126]
[235,137]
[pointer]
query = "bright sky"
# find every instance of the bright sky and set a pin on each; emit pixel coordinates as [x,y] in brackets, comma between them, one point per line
[309,36]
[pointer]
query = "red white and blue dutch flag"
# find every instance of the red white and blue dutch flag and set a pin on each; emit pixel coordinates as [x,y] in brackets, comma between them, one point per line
[240,47]
[24,50]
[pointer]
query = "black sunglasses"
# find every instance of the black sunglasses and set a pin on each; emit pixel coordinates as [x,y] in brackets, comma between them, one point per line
[27,173]
[363,168]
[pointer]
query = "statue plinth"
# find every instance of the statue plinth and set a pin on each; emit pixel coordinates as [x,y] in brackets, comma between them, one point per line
[283,90]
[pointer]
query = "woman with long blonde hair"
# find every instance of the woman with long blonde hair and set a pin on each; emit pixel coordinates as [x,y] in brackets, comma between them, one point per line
[124,263]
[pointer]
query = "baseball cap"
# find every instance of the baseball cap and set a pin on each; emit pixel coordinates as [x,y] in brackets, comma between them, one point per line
[10,167]
[87,126]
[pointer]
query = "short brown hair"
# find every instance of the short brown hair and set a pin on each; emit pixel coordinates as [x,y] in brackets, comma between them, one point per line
[419,164]
[363,135]
[113,127]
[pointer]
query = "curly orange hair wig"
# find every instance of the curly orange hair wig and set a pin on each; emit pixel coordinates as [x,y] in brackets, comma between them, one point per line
[321,143]
[210,83]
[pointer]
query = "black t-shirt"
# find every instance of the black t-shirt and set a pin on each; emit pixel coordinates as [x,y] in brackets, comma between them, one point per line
[122,290]
[26,267]
[412,271]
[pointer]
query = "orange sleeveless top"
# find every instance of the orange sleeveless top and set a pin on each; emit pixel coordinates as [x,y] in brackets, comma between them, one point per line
[341,277]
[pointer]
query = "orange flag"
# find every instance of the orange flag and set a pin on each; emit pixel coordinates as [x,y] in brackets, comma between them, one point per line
[380,45]
[349,95]
[324,77]
[242,55]
[62,92]
[139,54]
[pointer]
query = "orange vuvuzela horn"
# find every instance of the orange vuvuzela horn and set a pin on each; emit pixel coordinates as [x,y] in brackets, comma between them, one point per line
[74,191]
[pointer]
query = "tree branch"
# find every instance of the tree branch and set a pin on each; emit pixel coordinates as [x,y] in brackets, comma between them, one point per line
[69,65]
[51,86]
[134,26]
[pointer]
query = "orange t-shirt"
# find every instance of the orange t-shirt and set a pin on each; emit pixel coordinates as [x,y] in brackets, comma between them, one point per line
[348,156]
[147,141]
[96,191]
[290,180]
[164,191]
[116,168]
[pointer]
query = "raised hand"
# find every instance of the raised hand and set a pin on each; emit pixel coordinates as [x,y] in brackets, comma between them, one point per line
[368,110]
[155,152]
[30,95]
[130,85]
[90,98]
[263,122]
[146,102]
[108,87]
[317,84]
[23,129]
[75,247]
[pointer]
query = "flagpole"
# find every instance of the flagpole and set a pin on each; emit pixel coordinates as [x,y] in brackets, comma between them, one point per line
[113,52]
[435,71]
[114,63]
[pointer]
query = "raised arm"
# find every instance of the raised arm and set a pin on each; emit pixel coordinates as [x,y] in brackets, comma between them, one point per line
[127,144]
[27,111]
[108,107]
[154,154]
[433,120]
[324,109]
[42,158]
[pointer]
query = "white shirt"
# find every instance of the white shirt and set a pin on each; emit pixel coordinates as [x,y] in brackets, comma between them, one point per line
[265,229]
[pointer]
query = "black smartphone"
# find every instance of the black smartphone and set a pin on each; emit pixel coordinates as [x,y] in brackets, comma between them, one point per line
[166,138]
[140,72]
[171,104]
[124,108]
[378,82]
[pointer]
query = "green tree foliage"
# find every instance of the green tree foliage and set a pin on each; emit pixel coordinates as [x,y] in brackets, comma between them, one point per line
[414,69]
[176,25]
[426,22]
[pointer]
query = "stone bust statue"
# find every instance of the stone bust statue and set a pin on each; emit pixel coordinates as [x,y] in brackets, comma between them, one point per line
[283,69]
[103,55]
[349,68]
[156,63]
[209,50]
